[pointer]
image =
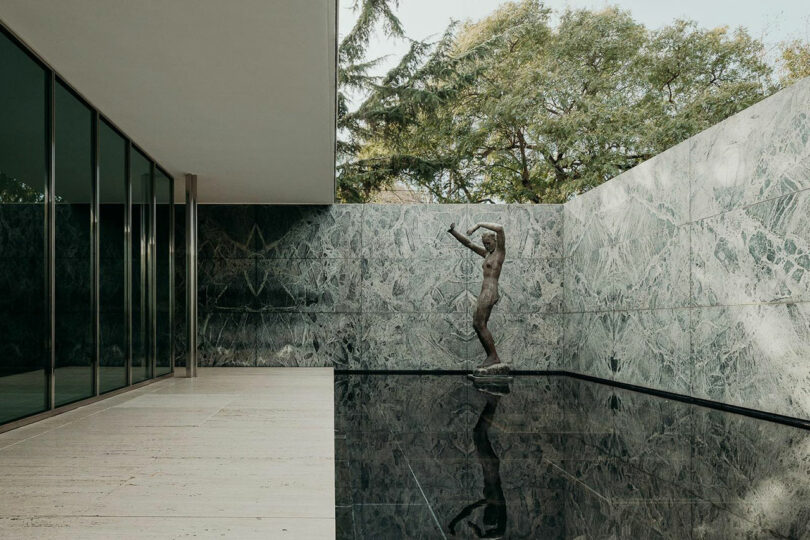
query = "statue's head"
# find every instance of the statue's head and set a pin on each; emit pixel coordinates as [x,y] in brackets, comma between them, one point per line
[490,240]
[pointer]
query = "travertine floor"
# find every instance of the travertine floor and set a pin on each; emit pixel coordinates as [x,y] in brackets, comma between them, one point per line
[236,453]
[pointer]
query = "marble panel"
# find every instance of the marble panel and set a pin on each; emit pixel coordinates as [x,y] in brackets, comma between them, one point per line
[757,154]
[651,349]
[226,231]
[406,285]
[300,231]
[308,285]
[589,344]
[399,231]
[423,341]
[651,198]
[307,339]
[526,341]
[754,356]
[525,285]
[653,271]
[226,339]
[226,284]
[584,224]
[589,280]
[756,254]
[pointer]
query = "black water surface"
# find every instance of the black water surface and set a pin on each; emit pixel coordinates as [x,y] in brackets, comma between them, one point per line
[433,456]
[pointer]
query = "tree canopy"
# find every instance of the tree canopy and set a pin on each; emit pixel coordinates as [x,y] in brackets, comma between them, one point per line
[517,108]
[795,61]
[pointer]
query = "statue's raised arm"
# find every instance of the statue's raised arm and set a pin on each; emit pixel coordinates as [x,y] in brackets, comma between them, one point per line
[494,227]
[466,242]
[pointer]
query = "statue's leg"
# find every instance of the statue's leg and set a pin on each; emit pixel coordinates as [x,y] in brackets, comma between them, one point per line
[480,319]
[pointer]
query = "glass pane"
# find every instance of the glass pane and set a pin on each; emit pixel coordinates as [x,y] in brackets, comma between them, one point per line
[112,204]
[23,175]
[141,195]
[163,195]
[74,297]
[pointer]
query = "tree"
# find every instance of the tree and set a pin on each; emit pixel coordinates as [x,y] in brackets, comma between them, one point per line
[795,57]
[512,108]
[353,68]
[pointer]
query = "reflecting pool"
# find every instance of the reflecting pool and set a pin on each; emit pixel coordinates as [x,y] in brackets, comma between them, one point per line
[433,456]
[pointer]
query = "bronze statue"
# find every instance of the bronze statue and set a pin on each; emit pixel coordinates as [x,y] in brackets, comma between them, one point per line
[494,253]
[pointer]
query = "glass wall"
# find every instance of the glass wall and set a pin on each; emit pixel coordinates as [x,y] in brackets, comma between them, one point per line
[85,246]
[163,271]
[23,179]
[114,348]
[141,176]
[73,193]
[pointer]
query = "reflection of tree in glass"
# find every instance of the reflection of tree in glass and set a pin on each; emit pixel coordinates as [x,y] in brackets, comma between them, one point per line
[13,190]
[494,516]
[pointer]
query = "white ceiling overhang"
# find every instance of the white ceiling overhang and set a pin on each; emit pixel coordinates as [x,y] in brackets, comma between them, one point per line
[239,92]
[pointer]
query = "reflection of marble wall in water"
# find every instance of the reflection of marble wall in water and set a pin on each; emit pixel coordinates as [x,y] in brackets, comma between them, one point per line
[590,460]
[373,286]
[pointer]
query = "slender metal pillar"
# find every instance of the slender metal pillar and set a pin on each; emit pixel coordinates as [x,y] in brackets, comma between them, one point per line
[152,273]
[96,258]
[50,248]
[171,272]
[128,261]
[191,275]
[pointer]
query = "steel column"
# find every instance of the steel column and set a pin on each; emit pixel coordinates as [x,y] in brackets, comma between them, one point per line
[95,232]
[128,260]
[50,248]
[191,275]
[152,272]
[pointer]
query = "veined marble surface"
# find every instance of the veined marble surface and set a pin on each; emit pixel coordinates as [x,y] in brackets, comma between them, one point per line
[374,286]
[760,253]
[758,154]
[755,356]
[691,272]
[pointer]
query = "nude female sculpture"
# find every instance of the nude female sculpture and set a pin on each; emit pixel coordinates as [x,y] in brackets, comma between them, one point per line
[494,253]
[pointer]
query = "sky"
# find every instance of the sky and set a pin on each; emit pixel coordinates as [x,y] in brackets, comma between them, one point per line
[772,21]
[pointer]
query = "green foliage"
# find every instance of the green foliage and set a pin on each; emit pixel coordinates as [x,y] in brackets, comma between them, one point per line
[795,61]
[513,108]
[353,69]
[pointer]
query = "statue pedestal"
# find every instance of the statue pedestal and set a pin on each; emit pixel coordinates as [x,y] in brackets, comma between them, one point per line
[494,374]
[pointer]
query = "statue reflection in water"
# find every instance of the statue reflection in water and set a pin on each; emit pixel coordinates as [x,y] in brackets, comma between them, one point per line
[493,517]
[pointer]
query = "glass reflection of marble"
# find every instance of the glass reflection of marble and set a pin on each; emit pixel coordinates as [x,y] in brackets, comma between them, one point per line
[574,459]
